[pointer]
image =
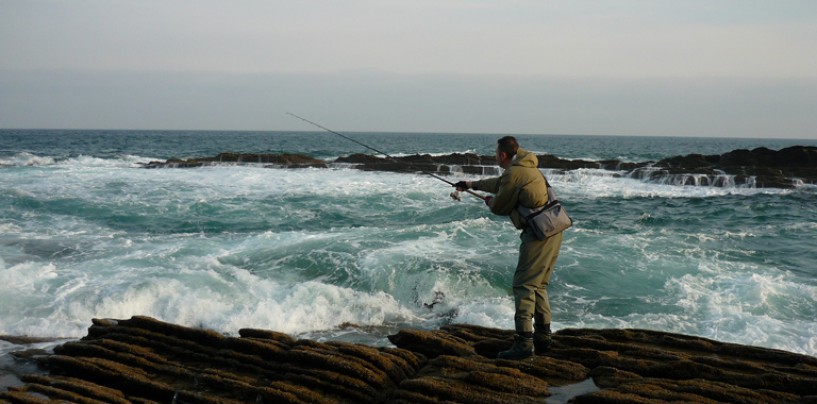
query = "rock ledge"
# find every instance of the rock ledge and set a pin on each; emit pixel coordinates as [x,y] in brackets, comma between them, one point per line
[761,167]
[145,360]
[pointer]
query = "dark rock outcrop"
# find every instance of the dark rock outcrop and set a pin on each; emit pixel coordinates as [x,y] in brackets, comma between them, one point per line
[146,360]
[767,168]
[467,163]
[760,167]
[271,160]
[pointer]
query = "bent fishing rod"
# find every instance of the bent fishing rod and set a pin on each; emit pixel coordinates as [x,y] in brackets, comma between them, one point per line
[454,195]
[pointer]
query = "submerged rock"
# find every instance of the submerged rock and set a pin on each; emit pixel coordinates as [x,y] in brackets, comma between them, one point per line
[145,360]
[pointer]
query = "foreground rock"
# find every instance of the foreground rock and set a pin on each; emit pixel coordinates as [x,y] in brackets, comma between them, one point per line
[145,360]
[760,167]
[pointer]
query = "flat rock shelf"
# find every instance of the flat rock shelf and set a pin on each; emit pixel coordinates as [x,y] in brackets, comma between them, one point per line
[762,168]
[145,360]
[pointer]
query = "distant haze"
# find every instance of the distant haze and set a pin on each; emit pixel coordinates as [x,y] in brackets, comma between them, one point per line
[658,68]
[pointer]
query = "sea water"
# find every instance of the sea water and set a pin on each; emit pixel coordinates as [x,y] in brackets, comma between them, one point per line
[339,253]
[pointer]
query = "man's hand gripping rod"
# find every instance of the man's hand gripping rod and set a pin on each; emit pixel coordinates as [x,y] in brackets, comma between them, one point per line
[454,195]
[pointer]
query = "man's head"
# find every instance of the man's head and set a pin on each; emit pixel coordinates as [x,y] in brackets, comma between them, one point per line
[506,148]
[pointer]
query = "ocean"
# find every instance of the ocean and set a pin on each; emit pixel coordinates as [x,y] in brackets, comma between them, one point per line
[345,254]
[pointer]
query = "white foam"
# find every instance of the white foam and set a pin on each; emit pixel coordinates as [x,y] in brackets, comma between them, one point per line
[7,228]
[600,184]
[744,304]
[26,159]
[439,154]
[224,299]
[494,312]
[27,277]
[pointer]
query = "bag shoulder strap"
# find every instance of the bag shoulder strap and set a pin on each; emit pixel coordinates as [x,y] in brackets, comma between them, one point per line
[551,194]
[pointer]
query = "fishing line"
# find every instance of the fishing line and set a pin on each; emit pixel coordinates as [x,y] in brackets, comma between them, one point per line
[454,195]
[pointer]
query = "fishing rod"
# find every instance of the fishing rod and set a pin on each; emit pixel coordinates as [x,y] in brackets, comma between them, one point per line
[454,195]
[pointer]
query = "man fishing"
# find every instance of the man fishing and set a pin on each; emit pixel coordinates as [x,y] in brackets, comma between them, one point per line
[522,183]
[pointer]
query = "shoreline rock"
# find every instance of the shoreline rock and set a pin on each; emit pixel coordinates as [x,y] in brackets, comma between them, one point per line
[146,360]
[285,160]
[760,167]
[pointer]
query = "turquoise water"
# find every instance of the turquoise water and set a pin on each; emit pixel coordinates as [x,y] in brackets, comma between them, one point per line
[85,232]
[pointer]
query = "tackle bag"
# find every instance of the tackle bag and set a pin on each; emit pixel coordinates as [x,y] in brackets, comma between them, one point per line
[547,220]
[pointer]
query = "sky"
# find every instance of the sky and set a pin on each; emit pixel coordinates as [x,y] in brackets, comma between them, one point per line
[725,68]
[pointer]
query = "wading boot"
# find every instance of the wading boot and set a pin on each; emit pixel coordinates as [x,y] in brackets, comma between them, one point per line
[541,342]
[522,348]
[541,337]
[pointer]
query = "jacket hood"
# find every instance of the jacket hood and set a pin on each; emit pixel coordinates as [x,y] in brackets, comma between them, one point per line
[525,158]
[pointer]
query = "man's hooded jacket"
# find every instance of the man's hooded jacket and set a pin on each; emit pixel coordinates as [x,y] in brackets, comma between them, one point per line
[521,183]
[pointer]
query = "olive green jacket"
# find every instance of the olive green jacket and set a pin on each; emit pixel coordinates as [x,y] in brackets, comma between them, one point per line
[521,183]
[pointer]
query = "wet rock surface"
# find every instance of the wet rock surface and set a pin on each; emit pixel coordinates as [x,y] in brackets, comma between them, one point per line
[783,168]
[761,167]
[145,360]
[285,160]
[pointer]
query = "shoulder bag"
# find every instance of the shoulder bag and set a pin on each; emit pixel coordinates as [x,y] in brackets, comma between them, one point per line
[547,220]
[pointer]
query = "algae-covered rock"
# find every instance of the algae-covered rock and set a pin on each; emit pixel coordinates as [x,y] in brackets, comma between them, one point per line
[146,360]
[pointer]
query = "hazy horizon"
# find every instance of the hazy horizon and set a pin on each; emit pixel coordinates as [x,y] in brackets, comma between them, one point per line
[733,69]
